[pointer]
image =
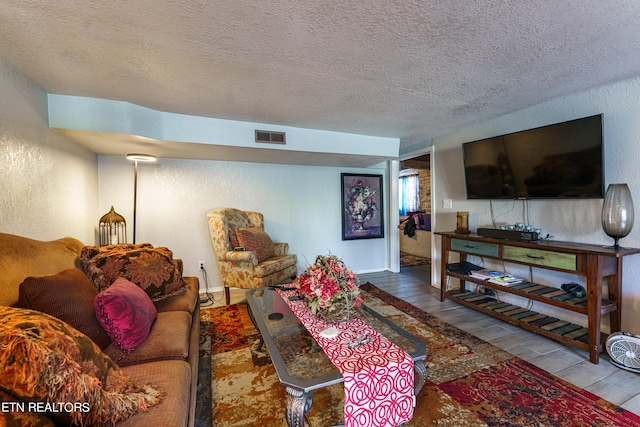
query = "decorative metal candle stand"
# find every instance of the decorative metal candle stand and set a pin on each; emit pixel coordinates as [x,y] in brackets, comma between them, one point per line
[113,228]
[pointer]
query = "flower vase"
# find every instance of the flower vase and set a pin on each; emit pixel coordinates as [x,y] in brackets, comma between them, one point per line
[339,312]
[330,289]
[358,225]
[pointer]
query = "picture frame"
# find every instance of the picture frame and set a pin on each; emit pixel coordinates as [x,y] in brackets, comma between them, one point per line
[362,206]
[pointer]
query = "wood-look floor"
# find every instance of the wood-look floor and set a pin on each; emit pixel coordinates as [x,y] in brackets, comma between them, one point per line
[412,284]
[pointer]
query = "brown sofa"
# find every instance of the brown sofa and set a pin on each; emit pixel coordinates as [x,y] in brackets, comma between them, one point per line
[167,359]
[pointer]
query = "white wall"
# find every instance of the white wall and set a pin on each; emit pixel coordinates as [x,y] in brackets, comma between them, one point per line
[47,184]
[566,220]
[139,124]
[301,205]
[51,187]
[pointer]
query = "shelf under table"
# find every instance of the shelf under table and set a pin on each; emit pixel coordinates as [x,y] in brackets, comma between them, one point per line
[549,326]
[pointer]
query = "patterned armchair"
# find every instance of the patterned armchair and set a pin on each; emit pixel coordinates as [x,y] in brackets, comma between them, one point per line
[261,263]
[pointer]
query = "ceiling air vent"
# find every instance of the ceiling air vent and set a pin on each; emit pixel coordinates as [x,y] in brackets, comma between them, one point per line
[270,137]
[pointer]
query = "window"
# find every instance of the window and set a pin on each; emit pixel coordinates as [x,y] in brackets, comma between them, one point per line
[409,191]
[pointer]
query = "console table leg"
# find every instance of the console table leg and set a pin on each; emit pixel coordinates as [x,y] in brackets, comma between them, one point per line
[298,404]
[421,376]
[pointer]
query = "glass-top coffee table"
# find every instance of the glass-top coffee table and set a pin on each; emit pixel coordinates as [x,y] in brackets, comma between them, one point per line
[301,364]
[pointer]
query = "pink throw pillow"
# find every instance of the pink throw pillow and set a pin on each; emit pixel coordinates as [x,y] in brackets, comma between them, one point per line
[126,313]
[255,239]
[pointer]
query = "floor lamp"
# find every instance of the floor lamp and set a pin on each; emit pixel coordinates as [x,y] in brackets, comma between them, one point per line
[136,157]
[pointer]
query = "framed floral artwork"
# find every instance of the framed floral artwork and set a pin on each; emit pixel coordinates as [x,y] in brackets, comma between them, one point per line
[362,210]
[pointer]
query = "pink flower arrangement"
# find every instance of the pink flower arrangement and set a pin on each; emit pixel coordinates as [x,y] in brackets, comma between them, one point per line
[361,205]
[329,285]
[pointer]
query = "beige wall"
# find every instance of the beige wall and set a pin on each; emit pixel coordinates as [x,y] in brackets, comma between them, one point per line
[48,185]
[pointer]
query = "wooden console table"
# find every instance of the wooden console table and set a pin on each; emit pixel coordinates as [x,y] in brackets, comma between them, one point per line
[593,263]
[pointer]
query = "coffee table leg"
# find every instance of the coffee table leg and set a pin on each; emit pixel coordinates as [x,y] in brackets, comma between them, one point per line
[421,376]
[298,404]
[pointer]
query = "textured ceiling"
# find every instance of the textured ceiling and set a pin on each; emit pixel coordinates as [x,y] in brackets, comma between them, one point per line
[408,69]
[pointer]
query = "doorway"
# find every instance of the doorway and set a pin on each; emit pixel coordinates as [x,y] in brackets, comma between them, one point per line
[414,191]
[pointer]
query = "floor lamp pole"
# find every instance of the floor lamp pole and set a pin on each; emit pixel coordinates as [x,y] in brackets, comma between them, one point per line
[135,197]
[136,158]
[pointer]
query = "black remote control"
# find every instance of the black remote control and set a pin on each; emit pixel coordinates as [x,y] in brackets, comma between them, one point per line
[282,288]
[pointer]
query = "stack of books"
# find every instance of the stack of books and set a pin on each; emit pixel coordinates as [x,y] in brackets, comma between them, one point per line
[497,277]
[506,280]
[485,274]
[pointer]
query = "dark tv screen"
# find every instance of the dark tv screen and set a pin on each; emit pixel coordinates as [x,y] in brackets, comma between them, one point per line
[559,161]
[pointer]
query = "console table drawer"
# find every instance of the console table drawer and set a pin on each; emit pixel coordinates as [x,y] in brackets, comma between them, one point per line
[541,258]
[477,248]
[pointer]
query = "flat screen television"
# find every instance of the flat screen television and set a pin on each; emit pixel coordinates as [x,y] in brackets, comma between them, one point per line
[559,161]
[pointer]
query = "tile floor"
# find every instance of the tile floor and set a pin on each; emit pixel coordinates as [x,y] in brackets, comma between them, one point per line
[604,379]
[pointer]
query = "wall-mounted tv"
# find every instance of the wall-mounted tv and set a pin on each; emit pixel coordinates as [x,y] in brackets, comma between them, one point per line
[559,161]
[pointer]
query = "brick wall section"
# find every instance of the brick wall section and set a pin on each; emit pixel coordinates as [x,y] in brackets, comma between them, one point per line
[424,176]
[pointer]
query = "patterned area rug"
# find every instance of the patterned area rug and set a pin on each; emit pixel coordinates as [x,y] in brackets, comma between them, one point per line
[469,381]
[410,260]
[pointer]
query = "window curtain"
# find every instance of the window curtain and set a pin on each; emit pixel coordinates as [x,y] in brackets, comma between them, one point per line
[409,187]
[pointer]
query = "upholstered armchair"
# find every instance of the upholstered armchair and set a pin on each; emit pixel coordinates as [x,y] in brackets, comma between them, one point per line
[247,256]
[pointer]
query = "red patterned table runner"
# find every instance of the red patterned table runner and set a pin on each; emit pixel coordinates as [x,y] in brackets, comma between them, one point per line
[378,375]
